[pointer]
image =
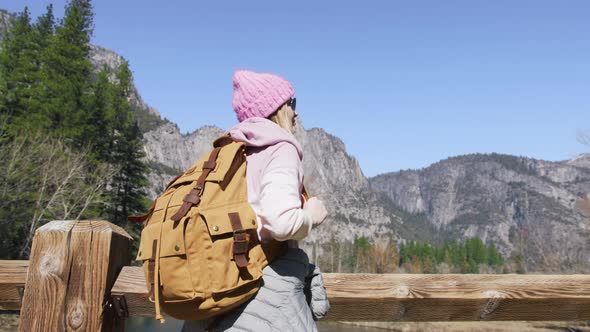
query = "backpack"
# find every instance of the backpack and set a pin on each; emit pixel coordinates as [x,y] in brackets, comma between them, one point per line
[199,247]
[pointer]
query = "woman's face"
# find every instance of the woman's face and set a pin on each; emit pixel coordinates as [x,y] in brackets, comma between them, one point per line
[291,115]
[285,117]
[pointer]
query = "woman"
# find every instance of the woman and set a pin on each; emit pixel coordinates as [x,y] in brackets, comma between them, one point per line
[265,107]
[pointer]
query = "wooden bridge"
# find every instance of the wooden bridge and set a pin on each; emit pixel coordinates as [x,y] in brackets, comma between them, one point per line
[78,278]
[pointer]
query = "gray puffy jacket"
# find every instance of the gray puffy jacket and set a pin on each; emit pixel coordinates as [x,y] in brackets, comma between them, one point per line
[291,297]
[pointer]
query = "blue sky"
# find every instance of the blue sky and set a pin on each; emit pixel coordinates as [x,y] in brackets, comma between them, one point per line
[403,84]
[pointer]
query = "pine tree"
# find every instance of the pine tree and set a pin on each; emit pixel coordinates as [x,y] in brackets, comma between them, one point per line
[402,254]
[68,71]
[97,133]
[493,255]
[127,195]
[472,266]
[457,254]
[45,28]
[361,249]
[480,253]
[19,71]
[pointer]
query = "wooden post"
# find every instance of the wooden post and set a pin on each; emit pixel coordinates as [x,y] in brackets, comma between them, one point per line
[73,266]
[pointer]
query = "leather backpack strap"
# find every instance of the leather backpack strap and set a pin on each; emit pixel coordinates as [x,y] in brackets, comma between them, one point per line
[241,240]
[152,268]
[194,196]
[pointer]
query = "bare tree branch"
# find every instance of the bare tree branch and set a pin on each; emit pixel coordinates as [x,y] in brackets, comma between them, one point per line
[42,179]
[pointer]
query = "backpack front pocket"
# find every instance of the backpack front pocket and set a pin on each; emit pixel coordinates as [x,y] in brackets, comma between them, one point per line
[175,278]
[148,248]
[227,244]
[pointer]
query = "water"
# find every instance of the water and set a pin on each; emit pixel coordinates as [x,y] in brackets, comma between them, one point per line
[151,325]
[148,324]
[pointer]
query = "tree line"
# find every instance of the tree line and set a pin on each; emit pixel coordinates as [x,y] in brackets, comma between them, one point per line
[386,255]
[70,144]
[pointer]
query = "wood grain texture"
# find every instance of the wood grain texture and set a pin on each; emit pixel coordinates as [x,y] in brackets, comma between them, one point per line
[414,297]
[71,271]
[12,277]
[131,284]
[419,297]
[455,297]
[47,279]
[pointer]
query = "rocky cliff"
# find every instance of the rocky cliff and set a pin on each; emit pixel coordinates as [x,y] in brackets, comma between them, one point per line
[526,206]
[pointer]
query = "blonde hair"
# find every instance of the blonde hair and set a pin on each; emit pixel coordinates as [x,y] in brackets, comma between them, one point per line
[281,118]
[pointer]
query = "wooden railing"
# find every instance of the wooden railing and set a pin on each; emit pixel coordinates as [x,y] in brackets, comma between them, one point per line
[78,277]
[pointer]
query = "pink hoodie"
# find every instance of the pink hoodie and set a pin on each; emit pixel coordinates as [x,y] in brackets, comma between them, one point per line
[274,175]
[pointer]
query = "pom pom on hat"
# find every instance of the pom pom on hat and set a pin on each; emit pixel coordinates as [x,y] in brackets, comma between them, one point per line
[259,94]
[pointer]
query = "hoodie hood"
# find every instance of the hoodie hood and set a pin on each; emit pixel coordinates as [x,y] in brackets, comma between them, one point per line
[260,132]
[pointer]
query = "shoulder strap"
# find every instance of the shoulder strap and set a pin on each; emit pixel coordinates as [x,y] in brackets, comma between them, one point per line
[194,196]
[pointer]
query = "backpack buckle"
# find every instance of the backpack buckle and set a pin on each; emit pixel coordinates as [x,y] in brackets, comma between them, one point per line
[199,190]
[241,240]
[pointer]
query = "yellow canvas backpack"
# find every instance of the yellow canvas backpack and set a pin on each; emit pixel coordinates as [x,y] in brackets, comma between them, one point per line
[199,246]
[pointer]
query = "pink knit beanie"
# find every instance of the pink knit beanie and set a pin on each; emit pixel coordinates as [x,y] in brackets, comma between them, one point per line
[259,94]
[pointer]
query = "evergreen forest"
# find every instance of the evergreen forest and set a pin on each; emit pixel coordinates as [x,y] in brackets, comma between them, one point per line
[70,144]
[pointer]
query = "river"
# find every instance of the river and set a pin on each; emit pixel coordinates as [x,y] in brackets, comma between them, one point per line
[148,324]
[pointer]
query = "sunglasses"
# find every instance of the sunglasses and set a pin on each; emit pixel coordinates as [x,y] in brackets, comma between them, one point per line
[292,102]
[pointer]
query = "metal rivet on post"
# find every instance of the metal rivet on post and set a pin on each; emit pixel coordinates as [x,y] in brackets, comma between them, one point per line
[176,247]
[215,228]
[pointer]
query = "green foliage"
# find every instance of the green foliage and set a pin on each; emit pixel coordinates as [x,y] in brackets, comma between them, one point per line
[126,152]
[67,72]
[462,257]
[493,256]
[20,56]
[476,250]
[47,87]
[97,130]
[363,255]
